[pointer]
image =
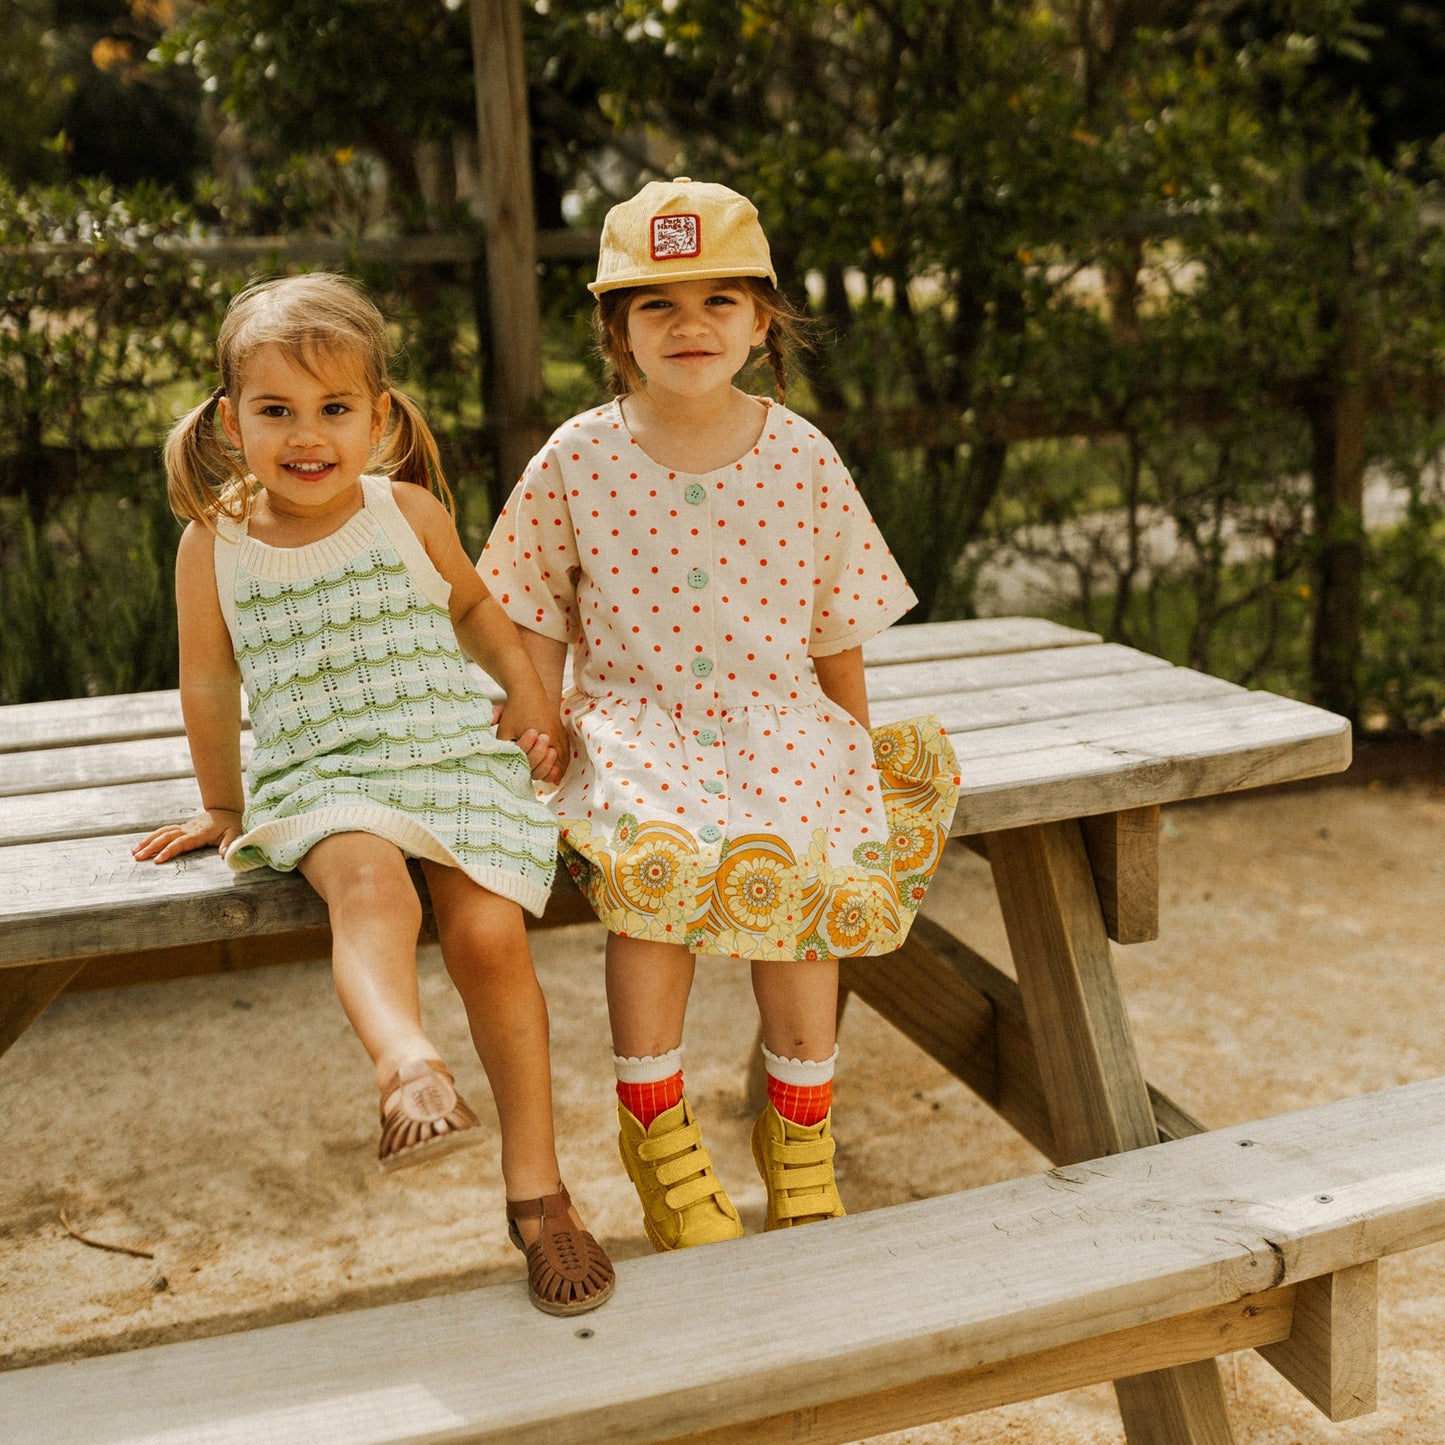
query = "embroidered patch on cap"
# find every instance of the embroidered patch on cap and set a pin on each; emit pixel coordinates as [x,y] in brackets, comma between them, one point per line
[676,236]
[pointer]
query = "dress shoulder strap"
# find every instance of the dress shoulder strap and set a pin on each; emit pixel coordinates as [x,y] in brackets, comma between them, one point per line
[227,551]
[382,505]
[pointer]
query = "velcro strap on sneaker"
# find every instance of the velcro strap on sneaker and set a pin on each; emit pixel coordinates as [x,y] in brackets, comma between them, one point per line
[674,1171]
[816,1176]
[824,1204]
[675,1141]
[806,1151]
[705,1186]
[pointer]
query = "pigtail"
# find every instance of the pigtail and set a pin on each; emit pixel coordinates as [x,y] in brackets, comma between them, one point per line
[205,479]
[775,354]
[411,453]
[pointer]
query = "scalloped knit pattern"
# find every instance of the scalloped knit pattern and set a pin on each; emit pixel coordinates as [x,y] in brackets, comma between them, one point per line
[364,715]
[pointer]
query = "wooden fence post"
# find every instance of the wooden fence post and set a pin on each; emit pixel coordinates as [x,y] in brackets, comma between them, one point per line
[514,380]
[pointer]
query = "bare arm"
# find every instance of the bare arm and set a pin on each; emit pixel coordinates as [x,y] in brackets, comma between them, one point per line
[211,705]
[490,638]
[840,675]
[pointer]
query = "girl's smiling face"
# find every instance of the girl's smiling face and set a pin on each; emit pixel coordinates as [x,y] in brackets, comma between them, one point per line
[307,434]
[692,337]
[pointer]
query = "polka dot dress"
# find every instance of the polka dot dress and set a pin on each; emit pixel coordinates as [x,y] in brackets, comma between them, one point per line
[717,798]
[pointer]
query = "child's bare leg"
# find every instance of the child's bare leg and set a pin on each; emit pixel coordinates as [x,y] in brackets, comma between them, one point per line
[647,991]
[375,918]
[792,1141]
[798,1005]
[683,1202]
[484,945]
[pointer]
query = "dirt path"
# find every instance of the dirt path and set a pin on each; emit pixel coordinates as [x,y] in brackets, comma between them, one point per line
[225,1124]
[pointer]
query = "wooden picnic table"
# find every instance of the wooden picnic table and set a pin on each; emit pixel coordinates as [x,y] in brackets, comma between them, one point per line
[1067,746]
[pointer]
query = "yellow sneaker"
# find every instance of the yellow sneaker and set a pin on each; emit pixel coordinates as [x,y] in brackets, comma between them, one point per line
[683,1203]
[796,1162]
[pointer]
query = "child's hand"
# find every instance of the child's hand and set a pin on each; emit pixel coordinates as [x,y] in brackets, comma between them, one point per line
[541,756]
[211,827]
[537,730]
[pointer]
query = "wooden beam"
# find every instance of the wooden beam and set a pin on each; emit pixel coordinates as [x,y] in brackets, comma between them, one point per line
[1123,852]
[968,1014]
[25,994]
[1097,1098]
[1331,1355]
[1184,1341]
[1098,1101]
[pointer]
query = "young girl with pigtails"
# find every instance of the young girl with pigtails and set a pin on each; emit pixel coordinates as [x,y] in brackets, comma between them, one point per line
[321,569]
[709,564]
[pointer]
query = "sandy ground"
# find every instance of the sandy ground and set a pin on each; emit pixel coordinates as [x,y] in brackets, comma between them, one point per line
[225,1124]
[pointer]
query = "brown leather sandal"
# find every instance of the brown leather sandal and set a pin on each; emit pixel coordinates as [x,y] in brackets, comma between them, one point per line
[568,1272]
[422,1116]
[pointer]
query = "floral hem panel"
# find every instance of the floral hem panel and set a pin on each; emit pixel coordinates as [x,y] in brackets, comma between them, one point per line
[752,897]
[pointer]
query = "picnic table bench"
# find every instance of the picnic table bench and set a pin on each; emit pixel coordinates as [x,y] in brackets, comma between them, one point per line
[1068,746]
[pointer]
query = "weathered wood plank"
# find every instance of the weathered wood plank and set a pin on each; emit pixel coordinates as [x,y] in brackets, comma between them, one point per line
[1009,670]
[67,722]
[1260,1318]
[137,760]
[1053,1261]
[1246,744]
[112,763]
[1143,731]
[1015,706]
[975,637]
[122,809]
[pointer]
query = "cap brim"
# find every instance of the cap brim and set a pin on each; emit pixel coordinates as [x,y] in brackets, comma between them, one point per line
[667,277]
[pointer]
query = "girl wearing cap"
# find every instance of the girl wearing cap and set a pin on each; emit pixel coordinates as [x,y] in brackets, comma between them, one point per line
[710,565]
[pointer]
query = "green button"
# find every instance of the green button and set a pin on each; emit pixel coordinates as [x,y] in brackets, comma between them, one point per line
[701,666]
[709,832]
[695,495]
[706,736]
[697,578]
[712,785]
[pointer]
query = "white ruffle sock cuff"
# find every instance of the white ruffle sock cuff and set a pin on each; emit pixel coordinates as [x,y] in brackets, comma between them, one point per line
[649,1069]
[801,1073]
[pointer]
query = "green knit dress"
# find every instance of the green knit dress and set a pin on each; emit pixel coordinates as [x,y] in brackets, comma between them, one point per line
[364,714]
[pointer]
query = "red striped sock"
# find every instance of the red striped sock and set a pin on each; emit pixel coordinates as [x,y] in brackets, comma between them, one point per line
[646,1101]
[800,1103]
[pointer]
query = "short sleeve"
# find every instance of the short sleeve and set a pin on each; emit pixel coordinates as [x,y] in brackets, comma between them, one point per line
[859,588]
[530,561]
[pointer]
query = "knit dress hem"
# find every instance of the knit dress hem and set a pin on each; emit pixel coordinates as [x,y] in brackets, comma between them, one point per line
[283,842]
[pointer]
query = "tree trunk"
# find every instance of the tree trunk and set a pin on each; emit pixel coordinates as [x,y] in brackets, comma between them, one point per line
[514,383]
[1337,426]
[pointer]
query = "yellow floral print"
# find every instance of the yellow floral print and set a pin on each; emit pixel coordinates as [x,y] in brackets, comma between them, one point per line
[750,897]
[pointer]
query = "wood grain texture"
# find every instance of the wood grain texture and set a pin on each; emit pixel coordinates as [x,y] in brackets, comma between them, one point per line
[1097,1099]
[1123,851]
[914,1293]
[1332,1353]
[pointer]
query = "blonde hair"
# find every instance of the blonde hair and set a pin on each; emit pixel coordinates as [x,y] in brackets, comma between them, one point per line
[787,327]
[309,317]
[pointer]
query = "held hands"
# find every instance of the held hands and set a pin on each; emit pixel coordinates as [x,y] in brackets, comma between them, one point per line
[211,827]
[537,730]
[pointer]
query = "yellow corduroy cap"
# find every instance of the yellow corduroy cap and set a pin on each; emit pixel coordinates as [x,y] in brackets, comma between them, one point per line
[681,230]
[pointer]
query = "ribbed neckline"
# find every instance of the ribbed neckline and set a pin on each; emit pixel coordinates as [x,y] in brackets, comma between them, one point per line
[286,564]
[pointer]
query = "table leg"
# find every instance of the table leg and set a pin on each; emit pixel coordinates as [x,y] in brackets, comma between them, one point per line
[26,992]
[1097,1099]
